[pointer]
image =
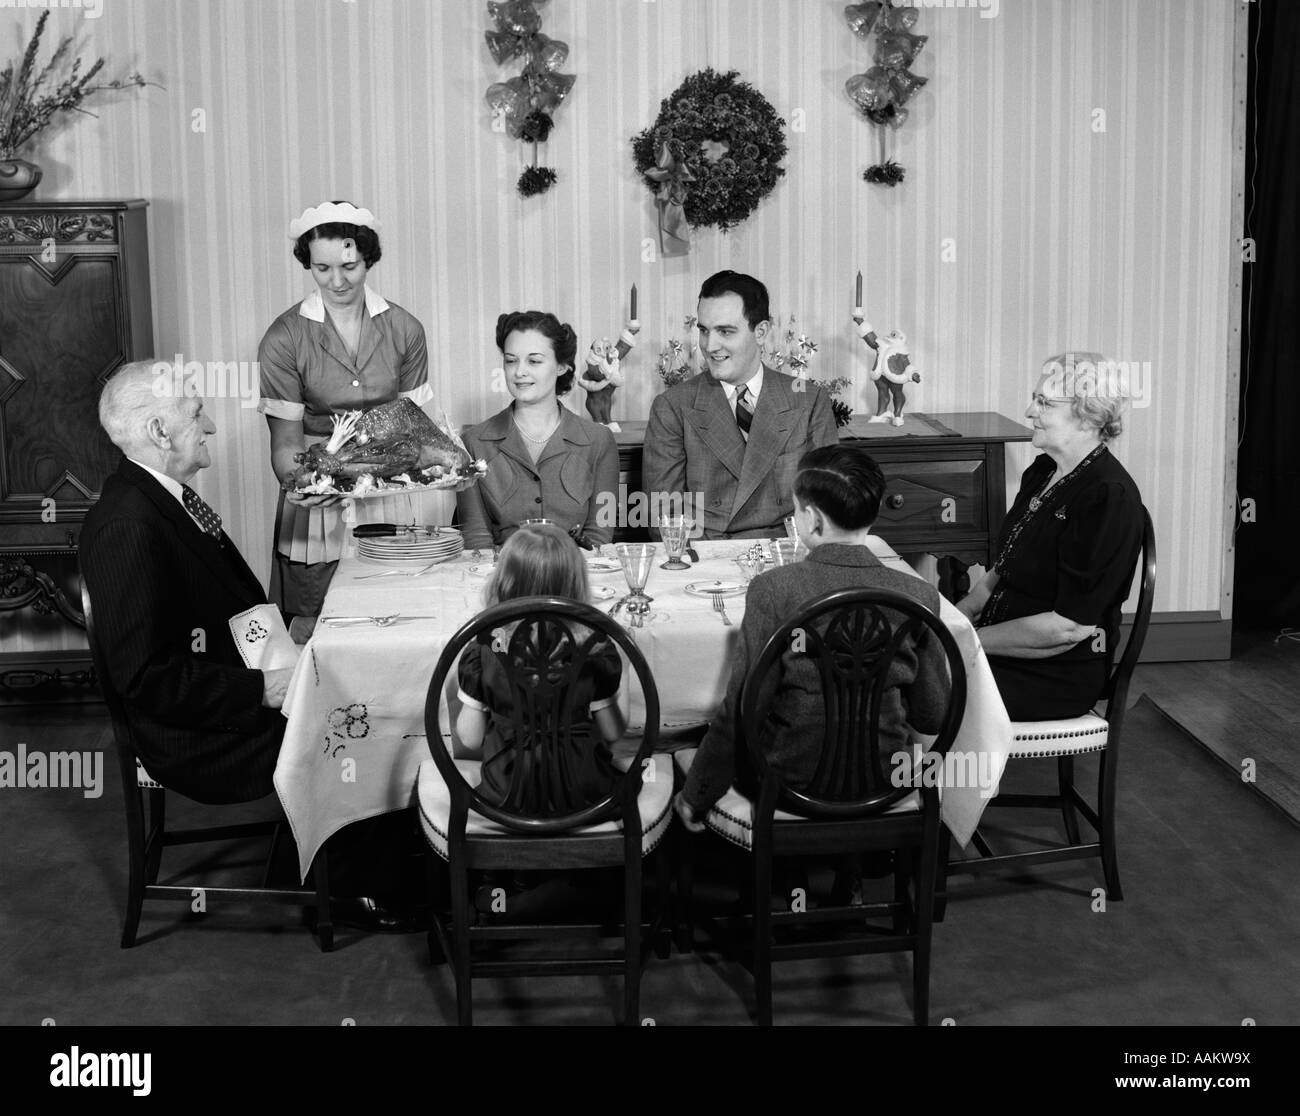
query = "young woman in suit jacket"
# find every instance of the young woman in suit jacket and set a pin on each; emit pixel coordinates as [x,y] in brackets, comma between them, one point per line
[543,461]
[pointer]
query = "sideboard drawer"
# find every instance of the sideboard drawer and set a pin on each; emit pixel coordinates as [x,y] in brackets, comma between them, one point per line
[934,495]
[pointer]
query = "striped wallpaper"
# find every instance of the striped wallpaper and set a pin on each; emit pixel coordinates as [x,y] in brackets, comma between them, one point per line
[1069,181]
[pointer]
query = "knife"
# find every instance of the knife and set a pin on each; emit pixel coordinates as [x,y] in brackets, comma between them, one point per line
[377,530]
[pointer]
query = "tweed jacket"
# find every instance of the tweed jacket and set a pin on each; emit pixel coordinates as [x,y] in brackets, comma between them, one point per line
[917,687]
[743,489]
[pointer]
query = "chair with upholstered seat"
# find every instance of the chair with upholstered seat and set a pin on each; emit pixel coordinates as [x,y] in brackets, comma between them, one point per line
[542,822]
[148,835]
[1063,740]
[857,801]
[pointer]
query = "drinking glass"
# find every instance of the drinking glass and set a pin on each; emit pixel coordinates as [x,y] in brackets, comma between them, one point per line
[675,530]
[750,564]
[636,560]
[785,552]
[792,532]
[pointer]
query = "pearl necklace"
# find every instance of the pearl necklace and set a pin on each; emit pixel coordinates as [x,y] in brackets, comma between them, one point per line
[536,441]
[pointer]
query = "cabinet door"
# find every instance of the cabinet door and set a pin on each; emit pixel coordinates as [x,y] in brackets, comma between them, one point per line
[61,336]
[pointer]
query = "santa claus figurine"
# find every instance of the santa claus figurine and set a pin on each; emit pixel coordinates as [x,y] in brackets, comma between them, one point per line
[891,369]
[602,376]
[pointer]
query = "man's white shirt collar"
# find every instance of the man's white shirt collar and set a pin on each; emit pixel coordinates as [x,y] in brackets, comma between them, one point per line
[755,385]
[170,483]
[313,306]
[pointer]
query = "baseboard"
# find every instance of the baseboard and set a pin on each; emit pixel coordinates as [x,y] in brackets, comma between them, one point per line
[1180,637]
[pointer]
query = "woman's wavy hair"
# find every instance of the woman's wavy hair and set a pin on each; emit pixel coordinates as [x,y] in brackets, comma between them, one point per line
[1097,388]
[564,342]
[366,240]
[538,560]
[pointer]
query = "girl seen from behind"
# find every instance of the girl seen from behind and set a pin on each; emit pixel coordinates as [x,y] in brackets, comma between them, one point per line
[540,560]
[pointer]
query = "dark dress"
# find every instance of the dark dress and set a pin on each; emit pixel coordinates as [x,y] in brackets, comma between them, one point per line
[584,771]
[1073,553]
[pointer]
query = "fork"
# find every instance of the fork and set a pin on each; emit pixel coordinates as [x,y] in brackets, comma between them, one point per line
[720,607]
[397,573]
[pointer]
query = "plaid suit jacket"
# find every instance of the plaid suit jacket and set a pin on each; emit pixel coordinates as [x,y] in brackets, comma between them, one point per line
[743,489]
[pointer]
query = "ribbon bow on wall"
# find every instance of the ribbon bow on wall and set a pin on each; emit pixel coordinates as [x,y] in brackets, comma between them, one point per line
[886,87]
[525,104]
[670,196]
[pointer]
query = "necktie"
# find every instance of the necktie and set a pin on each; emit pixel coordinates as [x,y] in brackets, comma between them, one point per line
[744,412]
[209,520]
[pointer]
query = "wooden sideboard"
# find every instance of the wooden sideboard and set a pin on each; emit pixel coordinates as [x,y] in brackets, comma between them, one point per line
[945,494]
[75,304]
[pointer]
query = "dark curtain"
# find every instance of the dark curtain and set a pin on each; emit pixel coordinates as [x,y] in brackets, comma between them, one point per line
[1267,581]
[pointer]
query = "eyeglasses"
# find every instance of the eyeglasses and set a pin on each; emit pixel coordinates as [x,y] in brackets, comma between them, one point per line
[1043,402]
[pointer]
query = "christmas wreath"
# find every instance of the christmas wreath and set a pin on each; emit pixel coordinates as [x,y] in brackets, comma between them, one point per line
[711,156]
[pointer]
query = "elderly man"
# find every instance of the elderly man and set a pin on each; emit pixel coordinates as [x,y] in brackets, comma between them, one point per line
[165,579]
[728,444]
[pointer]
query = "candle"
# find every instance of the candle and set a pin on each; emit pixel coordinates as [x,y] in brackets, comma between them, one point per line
[858,300]
[633,318]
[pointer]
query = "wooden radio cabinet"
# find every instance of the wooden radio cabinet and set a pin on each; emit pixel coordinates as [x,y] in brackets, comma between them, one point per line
[74,305]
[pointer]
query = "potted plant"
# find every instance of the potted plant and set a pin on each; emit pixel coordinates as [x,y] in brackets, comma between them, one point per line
[31,98]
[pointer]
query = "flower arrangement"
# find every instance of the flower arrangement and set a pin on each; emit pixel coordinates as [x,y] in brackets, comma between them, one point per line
[794,353]
[842,411]
[675,362]
[30,99]
[798,351]
[713,153]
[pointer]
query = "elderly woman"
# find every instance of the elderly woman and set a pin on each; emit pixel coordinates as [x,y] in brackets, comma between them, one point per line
[1048,612]
[543,461]
[344,347]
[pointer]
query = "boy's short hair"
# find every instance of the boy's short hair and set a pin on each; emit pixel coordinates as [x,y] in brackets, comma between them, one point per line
[845,484]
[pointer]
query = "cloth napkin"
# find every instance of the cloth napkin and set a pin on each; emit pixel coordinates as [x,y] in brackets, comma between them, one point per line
[264,642]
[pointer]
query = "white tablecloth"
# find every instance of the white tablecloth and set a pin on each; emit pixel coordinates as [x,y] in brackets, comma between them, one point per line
[355,706]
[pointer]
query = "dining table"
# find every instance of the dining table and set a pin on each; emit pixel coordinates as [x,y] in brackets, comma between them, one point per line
[355,732]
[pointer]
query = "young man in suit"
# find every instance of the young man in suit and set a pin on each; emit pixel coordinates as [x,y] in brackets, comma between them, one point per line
[728,443]
[164,580]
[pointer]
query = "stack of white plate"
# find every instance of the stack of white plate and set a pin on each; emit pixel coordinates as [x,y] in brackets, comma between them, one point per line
[420,546]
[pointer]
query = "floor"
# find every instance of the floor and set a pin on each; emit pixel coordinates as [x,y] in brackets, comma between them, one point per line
[1245,711]
[1204,936]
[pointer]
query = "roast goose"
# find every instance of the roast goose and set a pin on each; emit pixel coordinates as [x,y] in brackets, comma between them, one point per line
[395,440]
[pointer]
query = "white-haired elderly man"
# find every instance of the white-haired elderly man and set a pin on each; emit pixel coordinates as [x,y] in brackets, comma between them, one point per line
[164,580]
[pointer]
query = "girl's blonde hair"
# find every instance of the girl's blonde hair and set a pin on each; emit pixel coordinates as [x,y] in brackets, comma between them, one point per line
[538,560]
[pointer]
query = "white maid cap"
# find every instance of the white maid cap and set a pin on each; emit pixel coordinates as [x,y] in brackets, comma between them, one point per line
[328,213]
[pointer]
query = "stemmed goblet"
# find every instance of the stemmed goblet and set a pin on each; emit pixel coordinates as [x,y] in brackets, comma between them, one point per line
[636,560]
